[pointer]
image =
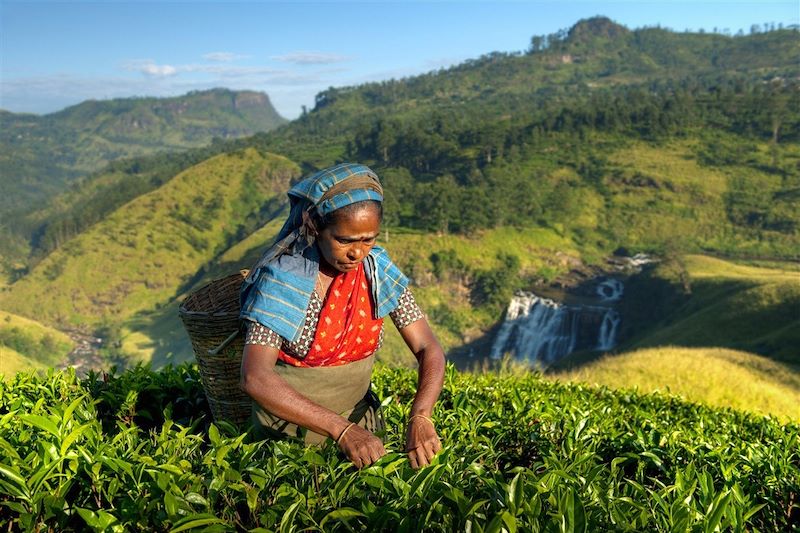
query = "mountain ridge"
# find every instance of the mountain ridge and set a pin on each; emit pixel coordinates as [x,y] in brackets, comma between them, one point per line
[40,156]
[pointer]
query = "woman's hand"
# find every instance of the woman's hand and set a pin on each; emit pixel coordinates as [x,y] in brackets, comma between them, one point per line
[422,442]
[361,447]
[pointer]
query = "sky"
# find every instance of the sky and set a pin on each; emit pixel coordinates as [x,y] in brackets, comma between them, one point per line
[57,54]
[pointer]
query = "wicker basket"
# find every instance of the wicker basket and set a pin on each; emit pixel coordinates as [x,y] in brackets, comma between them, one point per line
[211,318]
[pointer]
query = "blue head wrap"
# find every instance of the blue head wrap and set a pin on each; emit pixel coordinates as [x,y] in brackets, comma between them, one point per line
[277,290]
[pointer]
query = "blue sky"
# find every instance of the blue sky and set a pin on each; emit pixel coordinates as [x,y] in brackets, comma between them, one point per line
[55,54]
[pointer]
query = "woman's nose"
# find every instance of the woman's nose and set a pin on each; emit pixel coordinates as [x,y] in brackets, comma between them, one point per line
[355,253]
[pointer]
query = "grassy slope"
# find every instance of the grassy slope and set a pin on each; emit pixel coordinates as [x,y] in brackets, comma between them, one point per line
[654,190]
[665,194]
[738,306]
[662,192]
[138,258]
[671,187]
[714,376]
[159,336]
[673,180]
[12,361]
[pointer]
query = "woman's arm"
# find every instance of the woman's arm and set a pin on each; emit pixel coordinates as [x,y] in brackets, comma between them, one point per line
[422,442]
[260,381]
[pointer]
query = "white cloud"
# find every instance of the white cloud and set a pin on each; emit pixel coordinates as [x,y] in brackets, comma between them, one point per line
[150,68]
[311,58]
[223,57]
[159,70]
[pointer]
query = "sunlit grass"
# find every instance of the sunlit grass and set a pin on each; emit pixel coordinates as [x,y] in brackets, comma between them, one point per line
[706,267]
[714,376]
[12,362]
[138,258]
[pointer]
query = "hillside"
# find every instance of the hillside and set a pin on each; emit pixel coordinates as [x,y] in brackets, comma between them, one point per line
[540,123]
[159,337]
[624,141]
[136,451]
[712,376]
[40,156]
[26,344]
[493,95]
[704,301]
[137,259]
[500,173]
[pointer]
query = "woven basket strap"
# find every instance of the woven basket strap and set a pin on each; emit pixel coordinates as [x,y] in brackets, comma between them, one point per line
[225,343]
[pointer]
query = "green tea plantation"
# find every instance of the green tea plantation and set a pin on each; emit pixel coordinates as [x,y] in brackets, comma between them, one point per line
[137,451]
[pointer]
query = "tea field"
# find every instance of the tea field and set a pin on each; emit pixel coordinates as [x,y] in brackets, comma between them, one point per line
[137,451]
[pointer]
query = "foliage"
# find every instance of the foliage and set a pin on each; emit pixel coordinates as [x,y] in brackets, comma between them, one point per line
[601,136]
[521,453]
[464,141]
[494,287]
[20,341]
[525,140]
[146,253]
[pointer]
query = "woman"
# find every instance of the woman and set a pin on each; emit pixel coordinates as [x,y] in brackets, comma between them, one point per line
[314,307]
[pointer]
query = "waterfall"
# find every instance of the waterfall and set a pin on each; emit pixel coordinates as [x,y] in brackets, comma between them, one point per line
[610,290]
[540,330]
[608,330]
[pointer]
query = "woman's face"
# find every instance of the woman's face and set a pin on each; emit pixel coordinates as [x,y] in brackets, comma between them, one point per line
[347,241]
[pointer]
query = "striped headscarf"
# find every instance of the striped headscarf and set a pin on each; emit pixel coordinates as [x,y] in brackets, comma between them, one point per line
[278,288]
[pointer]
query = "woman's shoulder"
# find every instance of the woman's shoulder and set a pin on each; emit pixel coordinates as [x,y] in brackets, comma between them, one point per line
[379,262]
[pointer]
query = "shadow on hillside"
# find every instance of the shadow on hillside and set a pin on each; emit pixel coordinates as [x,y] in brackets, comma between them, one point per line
[760,318]
[162,332]
[475,355]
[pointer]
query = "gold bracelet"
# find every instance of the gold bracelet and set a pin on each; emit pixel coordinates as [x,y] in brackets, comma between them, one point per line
[421,416]
[344,431]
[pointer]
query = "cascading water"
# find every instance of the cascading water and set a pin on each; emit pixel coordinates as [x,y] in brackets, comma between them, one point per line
[535,329]
[608,331]
[610,290]
[540,331]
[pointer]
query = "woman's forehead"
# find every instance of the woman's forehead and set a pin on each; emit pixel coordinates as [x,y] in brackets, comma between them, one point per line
[363,220]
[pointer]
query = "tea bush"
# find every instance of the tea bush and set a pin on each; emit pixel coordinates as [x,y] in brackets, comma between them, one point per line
[137,451]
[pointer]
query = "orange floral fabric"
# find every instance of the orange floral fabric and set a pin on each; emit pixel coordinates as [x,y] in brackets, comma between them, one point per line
[346,331]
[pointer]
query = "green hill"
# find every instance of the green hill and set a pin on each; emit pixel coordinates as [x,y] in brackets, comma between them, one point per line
[541,126]
[40,156]
[616,137]
[26,345]
[138,258]
[713,376]
[159,336]
[501,172]
[704,301]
